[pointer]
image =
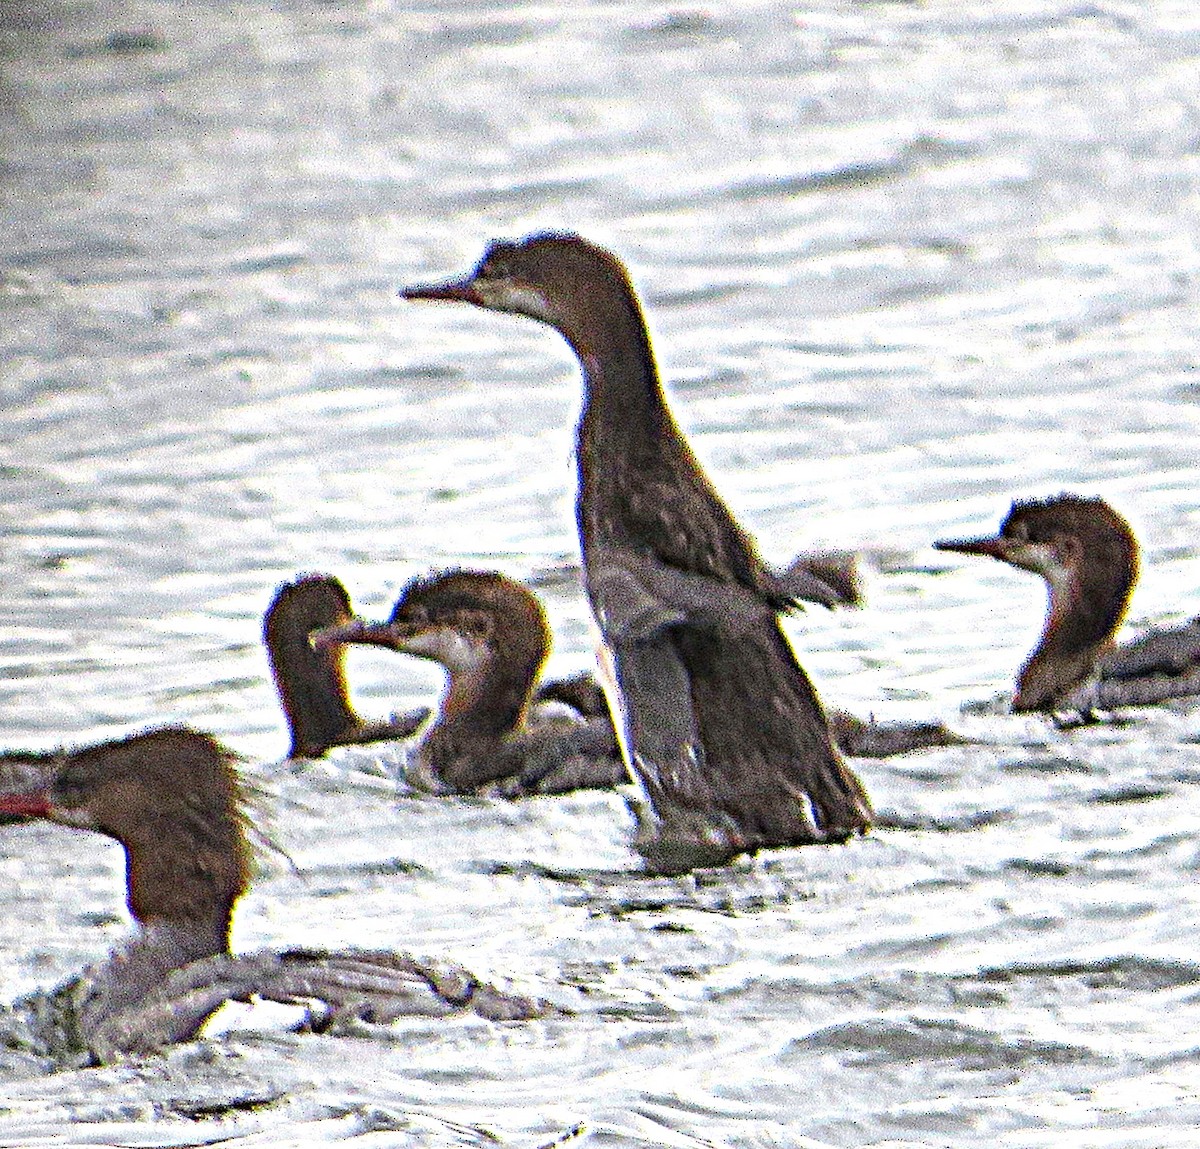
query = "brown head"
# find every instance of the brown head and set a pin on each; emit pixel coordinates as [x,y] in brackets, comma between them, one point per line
[488,631]
[1088,556]
[559,278]
[311,682]
[171,798]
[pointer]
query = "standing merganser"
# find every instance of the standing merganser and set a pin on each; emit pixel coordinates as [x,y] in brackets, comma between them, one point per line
[172,798]
[491,635]
[1088,556]
[723,728]
[312,683]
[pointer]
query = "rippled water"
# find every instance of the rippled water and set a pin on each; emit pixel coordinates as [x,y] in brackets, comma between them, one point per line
[902,263]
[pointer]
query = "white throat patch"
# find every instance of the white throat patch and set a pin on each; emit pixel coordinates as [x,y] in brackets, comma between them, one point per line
[519,298]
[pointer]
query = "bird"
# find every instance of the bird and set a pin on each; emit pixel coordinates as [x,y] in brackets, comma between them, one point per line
[172,797]
[491,635]
[722,728]
[1088,556]
[312,683]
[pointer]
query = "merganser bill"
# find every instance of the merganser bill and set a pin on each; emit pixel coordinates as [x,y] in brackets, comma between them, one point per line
[491,635]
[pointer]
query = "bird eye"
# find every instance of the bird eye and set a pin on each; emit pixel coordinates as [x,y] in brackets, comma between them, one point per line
[477,623]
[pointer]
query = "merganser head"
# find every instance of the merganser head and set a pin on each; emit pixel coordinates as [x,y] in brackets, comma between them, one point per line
[172,799]
[301,606]
[1088,556]
[556,277]
[1059,538]
[467,621]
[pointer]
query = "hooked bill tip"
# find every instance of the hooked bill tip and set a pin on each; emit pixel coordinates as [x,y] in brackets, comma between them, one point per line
[357,631]
[328,636]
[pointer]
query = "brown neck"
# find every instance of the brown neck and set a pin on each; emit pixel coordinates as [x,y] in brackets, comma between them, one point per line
[627,438]
[172,799]
[187,859]
[188,889]
[623,397]
[1081,619]
[482,708]
[312,691]
[492,700]
[623,387]
[640,485]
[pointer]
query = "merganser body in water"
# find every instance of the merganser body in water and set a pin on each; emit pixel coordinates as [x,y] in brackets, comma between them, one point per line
[491,635]
[492,638]
[1088,556]
[722,727]
[171,797]
[312,683]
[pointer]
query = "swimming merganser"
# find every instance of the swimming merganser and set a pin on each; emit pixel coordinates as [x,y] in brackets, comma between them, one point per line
[456,603]
[312,683]
[172,798]
[723,728]
[1088,556]
[491,635]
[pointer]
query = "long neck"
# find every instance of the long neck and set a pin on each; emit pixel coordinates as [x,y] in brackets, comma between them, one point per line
[623,388]
[639,483]
[608,334]
[489,701]
[1082,616]
[312,691]
[483,706]
[626,432]
[187,887]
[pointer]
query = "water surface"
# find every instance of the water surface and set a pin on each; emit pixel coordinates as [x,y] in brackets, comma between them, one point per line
[902,263]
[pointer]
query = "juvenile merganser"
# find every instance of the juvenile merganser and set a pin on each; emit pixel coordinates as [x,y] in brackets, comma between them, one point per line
[491,635]
[722,727]
[312,683]
[171,797]
[1088,556]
